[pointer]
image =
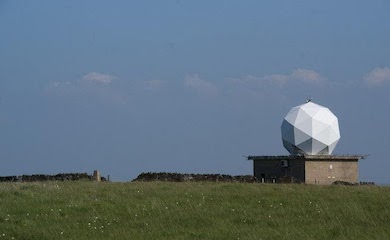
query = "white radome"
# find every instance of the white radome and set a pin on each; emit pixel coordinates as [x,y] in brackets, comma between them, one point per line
[310,129]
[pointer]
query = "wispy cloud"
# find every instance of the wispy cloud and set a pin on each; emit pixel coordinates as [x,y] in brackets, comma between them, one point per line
[153,84]
[201,86]
[306,76]
[279,79]
[99,77]
[378,76]
[56,84]
[85,89]
[299,75]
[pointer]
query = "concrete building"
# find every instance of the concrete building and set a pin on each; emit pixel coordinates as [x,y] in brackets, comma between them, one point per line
[311,169]
[310,133]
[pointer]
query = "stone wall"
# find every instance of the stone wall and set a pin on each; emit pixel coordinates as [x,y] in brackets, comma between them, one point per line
[45,177]
[179,177]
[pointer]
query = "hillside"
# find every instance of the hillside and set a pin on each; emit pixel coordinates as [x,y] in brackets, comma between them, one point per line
[189,210]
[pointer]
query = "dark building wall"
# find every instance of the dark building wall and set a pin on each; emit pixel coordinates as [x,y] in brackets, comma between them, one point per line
[298,169]
[273,169]
[326,172]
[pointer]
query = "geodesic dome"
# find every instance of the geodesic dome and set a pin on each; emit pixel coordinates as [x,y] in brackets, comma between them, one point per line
[310,129]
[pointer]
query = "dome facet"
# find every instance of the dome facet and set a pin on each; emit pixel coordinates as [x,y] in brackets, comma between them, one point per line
[310,129]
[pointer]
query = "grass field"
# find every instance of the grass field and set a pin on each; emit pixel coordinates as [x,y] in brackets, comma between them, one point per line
[157,210]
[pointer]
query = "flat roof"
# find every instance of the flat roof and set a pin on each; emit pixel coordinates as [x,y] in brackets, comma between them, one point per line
[313,157]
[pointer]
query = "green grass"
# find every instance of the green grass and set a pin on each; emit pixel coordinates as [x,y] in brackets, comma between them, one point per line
[89,210]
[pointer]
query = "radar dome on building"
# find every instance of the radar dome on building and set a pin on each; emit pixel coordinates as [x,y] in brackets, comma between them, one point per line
[310,129]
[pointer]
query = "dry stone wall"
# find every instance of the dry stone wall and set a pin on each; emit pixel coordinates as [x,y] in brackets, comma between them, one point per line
[45,177]
[179,177]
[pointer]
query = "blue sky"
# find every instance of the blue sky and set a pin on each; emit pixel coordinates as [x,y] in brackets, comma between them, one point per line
[186,86]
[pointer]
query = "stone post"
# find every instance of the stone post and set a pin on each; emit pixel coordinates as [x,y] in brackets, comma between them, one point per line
[96,176]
